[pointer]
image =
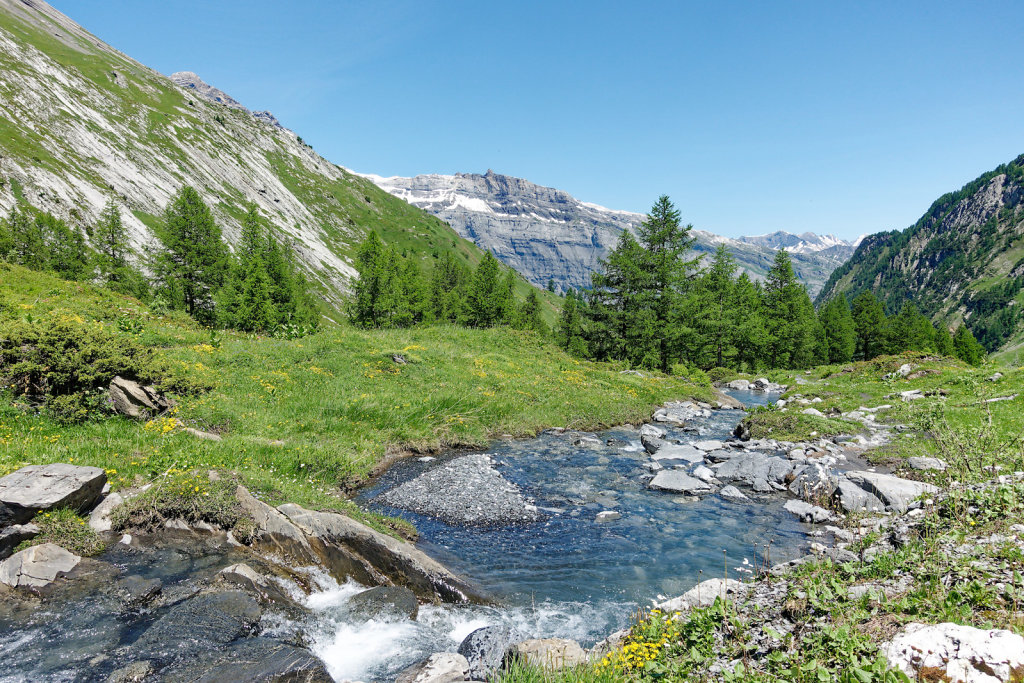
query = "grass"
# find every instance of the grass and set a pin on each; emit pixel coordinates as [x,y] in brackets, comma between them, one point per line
[65,528]
[303,420]
[794,426]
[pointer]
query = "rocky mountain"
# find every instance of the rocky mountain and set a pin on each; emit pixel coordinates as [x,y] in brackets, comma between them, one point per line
[81,121]
[190,80]
[962,261]
[547,234]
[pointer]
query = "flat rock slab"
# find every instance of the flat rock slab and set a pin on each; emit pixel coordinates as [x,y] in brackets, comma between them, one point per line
[952,652]
[466,490]
[37,566]
[709,445]
[251,659]
[811,514]
[705,593]
[44,487]
[678,481]
[198,624]
[896,493]
[549,653]
[687,454]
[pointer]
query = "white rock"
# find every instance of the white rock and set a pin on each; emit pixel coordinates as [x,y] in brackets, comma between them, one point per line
[37,566]
[99,519]
[607,516]
[709,445]
[549,653]
[443,667]
[964,653]
[704,594]
[733,493]
[924,463]
[812,411]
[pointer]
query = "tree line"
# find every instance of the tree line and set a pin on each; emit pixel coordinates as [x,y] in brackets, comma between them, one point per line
[653,305]
[393,290]
[256,288]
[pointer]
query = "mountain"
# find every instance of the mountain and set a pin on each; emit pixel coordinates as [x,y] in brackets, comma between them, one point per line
[81,121]
[962,261]
[547,234]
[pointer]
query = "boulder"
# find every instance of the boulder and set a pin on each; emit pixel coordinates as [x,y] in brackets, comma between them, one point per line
[36,488]
[443,667]
[250,580]
[812,481]
[607,516]
[651,430]
[732,493]
[705,474]
[756,470]
[652,444]
[852,498]
[203,622]
[951,652]
[37,566]
[811,514]
[925,463]
[99,518]
[136,590]
[678,481]
[739,384]
[911,395]
[385,602]
[726,401]
[813,412]
[485,648]
[705,593]
[260,660]
[896,493]
[385,559]
[709,445]
[12,536]
[274,533]
[762,383]
[682,454]
[133,400]
[548,653]
[720,455]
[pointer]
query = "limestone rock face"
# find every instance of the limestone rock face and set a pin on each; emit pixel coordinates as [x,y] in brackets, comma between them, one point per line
[963,653]
[37,566]
[44,487]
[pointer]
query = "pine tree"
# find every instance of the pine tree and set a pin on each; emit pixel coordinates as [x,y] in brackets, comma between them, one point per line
[507,300]
[840,335]
[487,301]
[66,252]
[530,317]
[665,242]
[569,332]
[943,341]
[622,325]
[110,238]
[717,294]
[967,347]
[376,288]
[247,301]
[870,324]
[448,285]
[28,247]
[551,285]
[750,336]
[193,261]
[789,314]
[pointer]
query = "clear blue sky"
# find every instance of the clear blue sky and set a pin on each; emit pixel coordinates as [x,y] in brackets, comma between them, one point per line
[757,116]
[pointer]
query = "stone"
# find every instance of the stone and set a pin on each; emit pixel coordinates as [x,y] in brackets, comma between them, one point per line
[813,411]
[442,667]
[911,395]
[131,399]
[651,430]
[652,444]
[37,566]
[260,660]
[952,652]
[725,401]
[683,454]
[199,434]
[709,445]
[37,488]
[467,490]
[612,643]
[136,590]
[720,455]
[739,384]
[732,493]
[548,653]
[811,514]
[203,622]
[274,533]
[678,481]
[133,673]
[852,498]
[99,518]
[904,370]
[384,602]
[762,383]
[756,470]
[349,548]
[925,463]
[996,377]
[607,516]
[705,593]
[12,536]
[485,648]
[705,474]
[896,493]
[248,579]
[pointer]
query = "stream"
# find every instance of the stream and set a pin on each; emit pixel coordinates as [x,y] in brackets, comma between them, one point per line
[565,575]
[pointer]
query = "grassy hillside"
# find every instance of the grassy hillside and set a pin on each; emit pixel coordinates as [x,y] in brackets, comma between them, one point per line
[962,261]
[301,420]
[80,121]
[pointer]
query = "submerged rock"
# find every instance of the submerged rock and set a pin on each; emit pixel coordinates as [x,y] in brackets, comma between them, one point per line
[36,488]
[467,490]
[200,623]
[260,660]
[384,602]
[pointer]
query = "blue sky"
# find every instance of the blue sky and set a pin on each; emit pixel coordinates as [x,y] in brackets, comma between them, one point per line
[758,116]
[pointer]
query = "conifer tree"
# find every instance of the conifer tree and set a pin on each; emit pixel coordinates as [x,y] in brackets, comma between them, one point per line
[110,238]
[66,252]
[719,318]
[376,288]
[569,333]
[789,313]
[869,322]
[750,336]
[840,335]
[247,301]
[623,325]
[487,300]
[530,317]
[448,290]
[943,341]
[967,347]
[193,261]
[28,246]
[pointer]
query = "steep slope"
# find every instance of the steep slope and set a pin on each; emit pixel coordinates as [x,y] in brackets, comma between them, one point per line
[962,261]
[80,121]
[547,234]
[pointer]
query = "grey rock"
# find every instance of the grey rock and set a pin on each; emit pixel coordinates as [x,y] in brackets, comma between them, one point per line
[709,445]
[956,653]
[756,470]
[896,493]
[739,384]
[37,488]
[12,536]
[466,490]
[678,481]
[37,566]
[99,518]
[136,672]
[250,580]
[442,667]
[720,455]
[199,434]
[812,514]
[812,411]
[733,493]
[548,653]
[705,474]
[259,660]
[200,623]
[384,602]
[705,593]
[813,481]
[274,532]
[651,430]
[925,463]
[683,454]
[607,516]
[136,590]
[136,401]
[652,444]
[485,648]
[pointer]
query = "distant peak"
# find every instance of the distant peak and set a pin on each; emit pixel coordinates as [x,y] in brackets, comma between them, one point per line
[190,80]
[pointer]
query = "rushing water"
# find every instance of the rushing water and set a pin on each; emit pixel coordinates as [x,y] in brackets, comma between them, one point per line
[565,575]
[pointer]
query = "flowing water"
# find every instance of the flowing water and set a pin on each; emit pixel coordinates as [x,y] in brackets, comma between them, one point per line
[565,575]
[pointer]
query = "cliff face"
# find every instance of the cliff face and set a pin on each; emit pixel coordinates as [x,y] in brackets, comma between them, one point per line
[80,121]
[547,234]
[962,261]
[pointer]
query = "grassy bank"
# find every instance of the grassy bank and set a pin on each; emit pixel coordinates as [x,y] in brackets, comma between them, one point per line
[302,419]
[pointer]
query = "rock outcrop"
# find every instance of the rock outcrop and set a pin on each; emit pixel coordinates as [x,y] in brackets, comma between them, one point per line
[131,399]
[37,488]
[957,653]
